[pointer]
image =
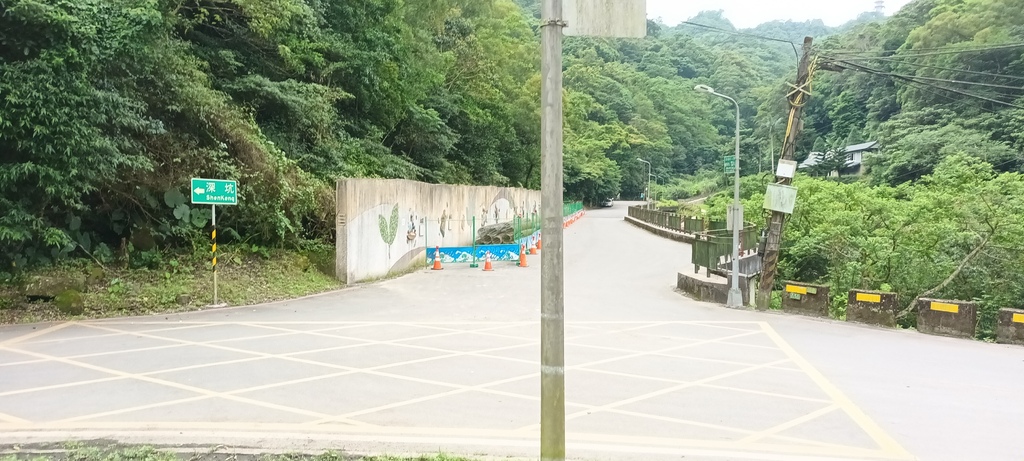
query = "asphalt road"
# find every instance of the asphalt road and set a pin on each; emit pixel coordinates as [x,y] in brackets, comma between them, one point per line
[448,361]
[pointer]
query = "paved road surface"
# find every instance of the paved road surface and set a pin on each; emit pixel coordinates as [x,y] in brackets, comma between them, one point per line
[448,361]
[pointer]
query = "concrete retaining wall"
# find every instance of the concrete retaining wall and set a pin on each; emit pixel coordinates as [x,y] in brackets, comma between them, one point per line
[1010,329]
[872,307]
[947,318]
[384,226]
[714,290]
[806,299]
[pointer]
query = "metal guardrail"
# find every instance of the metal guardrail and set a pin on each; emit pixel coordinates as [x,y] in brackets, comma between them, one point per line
[713,248]
[712,243]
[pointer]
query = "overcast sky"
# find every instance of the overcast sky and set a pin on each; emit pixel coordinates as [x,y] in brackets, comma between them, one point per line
[749,13]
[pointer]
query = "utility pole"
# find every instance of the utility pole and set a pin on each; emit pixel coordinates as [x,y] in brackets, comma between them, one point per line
[797,99]
[552,288]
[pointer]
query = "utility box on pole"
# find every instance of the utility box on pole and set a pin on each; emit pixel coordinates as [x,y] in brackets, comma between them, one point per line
[606,18]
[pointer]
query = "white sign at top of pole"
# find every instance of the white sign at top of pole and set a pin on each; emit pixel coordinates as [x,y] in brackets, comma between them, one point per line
[605,18]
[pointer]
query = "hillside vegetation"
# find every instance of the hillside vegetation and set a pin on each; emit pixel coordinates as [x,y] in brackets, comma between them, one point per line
[110,106]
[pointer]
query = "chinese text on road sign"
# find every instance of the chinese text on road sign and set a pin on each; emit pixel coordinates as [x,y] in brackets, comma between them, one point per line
[214,192]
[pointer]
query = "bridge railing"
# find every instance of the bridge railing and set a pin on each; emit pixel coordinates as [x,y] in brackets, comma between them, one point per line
[713,248]
[667,220]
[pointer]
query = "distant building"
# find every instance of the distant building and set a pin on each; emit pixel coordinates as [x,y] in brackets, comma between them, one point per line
[880,6]
[854,165]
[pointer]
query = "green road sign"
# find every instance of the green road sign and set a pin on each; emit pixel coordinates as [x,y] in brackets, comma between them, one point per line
[214,192]
[730,163]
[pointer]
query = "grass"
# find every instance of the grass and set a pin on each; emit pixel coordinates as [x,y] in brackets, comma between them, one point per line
[243,278]
[145,453]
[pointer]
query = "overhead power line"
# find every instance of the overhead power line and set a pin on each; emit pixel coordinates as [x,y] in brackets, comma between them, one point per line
[907,78]
[935,53]
[744,34]
[952,47]
[962,71]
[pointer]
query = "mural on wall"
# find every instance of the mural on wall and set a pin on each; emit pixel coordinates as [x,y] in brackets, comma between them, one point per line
[389,228]
[444,222]
[411,232]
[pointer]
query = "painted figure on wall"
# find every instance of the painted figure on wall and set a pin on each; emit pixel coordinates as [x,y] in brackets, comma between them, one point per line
[411,232]
[444,222]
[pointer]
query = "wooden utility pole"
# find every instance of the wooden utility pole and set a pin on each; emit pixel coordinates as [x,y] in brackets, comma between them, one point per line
[798,97]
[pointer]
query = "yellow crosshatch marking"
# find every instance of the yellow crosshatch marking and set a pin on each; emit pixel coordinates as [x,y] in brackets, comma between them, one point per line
[946,307]
[1018,318]
[796,289]
[869,298]
[759,349]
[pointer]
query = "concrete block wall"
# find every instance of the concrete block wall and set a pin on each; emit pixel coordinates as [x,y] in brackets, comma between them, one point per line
[872,307]
[1010,329]
[947,318]
[806,299]
[385,226]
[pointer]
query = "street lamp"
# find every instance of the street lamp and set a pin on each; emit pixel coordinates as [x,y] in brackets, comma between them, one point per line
[735,299]
[647,194]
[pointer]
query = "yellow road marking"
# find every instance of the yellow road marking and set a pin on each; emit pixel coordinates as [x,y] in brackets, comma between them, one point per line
[945,307]
[36,333]
[185,387]
[869,298]
[887,443]
[12,419]
[789,424]
[664,391]
[346,371]
[820,448]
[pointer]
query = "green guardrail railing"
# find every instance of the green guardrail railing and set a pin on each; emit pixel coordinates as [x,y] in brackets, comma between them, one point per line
[569,208]
[673,221]
[712,248]
[712,239]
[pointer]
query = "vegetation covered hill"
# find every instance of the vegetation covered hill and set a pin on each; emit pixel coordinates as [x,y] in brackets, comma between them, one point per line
[110,106]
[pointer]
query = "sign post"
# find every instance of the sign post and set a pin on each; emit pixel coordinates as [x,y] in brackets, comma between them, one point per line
[730,164]
[596,18]
[214,192]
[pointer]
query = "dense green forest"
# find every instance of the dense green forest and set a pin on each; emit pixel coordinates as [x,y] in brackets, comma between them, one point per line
[110,106]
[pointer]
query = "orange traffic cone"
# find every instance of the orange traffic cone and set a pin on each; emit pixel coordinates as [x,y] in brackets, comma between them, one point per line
[522,256]
[538,243]
[437,259]
[487,263]
[533,246]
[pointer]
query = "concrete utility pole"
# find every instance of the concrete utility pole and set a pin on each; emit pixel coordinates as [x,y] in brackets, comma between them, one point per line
[797,99]
[552,294]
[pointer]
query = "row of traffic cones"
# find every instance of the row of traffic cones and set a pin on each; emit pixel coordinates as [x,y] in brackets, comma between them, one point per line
[571,219]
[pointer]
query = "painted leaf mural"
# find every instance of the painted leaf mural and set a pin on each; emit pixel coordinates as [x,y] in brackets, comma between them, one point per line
[388,228]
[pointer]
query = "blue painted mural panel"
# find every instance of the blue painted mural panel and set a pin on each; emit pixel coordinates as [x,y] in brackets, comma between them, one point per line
[465,254]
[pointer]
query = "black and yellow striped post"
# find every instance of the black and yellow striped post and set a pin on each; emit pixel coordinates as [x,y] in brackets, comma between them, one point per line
[213,237]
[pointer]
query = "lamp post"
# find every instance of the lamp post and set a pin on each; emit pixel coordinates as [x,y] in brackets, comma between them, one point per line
[735,299]
[647,193]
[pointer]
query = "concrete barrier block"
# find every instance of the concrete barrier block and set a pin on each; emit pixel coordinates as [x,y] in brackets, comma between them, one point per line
[1010,329]
[947,318]
[872,307]
[805,299]
[714,290]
